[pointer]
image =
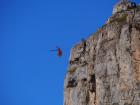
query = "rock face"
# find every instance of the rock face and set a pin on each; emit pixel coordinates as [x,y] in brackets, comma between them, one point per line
[105,68]
[123,5]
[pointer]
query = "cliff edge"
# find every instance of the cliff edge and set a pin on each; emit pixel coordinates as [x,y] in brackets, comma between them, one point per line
[105,68]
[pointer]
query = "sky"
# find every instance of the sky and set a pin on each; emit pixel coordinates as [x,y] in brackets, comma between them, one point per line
[29,73]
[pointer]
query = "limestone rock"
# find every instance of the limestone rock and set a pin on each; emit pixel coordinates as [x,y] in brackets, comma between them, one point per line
[105,68]
[123,5]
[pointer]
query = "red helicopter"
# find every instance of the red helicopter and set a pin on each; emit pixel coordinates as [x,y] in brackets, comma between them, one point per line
[59,51]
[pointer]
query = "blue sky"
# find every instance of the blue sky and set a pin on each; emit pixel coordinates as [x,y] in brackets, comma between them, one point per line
[29,73]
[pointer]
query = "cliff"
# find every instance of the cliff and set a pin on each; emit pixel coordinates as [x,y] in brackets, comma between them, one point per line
[105,68]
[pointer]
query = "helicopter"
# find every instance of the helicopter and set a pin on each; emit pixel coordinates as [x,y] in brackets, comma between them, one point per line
[59,51]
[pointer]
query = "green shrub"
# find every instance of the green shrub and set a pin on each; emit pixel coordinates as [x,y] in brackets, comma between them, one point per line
[72,70]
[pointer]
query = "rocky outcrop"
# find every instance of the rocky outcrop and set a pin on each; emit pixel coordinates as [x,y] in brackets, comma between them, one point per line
[124,5]
[105,68]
